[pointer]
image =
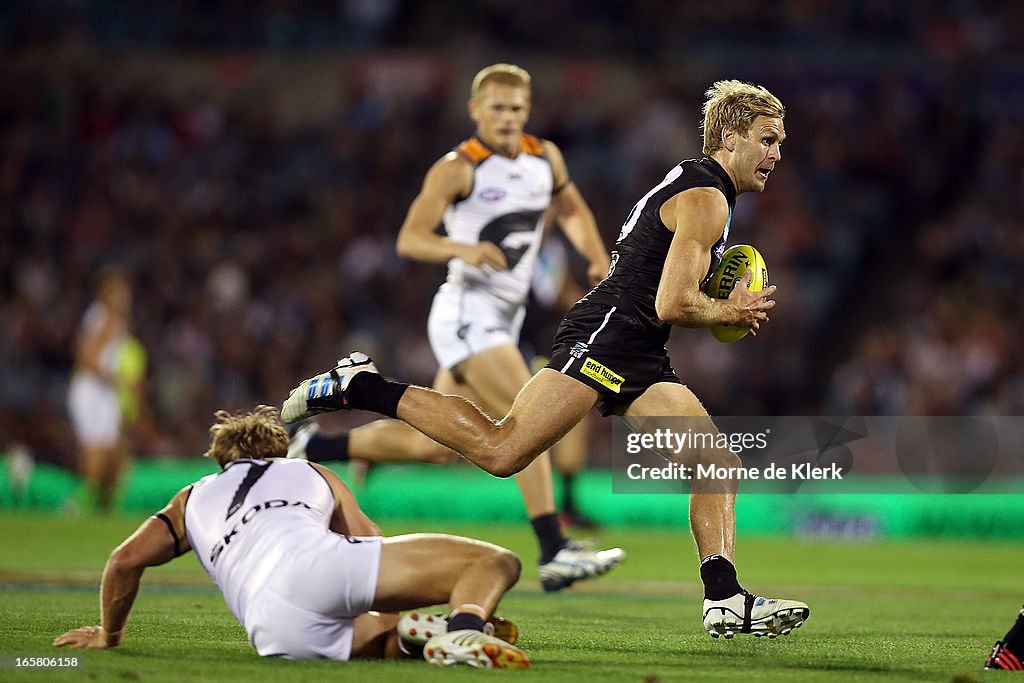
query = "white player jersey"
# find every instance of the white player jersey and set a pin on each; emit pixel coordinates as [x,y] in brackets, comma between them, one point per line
[96,316]
[243,520]
[506,206]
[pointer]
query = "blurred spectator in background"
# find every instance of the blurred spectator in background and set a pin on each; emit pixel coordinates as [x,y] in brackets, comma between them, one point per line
[104,383]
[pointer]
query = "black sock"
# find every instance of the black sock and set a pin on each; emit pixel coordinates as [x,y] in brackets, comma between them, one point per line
[464,621]
[549,535]
[568,501]
[719,577]
[322,448]
[1014,638]
[370,391]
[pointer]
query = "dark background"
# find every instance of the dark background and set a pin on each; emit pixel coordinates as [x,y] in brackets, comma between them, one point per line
[250,164]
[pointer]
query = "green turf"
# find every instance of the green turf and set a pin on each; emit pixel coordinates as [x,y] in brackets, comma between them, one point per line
[910,610]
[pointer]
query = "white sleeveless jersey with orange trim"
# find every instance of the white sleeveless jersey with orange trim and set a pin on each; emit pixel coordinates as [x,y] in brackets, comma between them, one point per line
[505,206]
[242,521]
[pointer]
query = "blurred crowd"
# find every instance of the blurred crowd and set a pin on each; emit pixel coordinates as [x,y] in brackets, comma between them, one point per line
[640,28]
[947,341]
[261,245]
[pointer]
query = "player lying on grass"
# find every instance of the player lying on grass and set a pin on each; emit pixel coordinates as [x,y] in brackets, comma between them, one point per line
[303,569]
[610,352]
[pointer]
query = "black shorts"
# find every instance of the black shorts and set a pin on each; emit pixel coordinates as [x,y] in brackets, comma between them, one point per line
[610,352]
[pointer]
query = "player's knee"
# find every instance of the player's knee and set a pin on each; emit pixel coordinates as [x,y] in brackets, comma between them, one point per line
[497,456]
[721,457]
[508,462]
[510,564]
[731,459]
[503,467]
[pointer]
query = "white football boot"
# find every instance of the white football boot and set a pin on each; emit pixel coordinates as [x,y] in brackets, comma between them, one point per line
[575,562]
[748,613]
[327,391]
[476,649]
[416,628]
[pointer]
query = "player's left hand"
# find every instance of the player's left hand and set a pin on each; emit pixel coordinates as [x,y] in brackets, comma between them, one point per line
[87,637]
[751,307]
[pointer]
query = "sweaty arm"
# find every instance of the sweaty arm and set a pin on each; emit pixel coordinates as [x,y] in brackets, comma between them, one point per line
[697,218]
[446,182]
[575,217]
[158,540]
[348,518]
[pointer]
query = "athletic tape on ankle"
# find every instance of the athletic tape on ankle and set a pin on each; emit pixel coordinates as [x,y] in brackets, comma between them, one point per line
[471,607]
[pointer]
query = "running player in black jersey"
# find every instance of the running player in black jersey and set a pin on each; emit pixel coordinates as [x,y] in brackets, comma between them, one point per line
[610,349]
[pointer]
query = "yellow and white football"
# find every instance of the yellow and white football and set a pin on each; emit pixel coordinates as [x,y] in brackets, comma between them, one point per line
[736,261]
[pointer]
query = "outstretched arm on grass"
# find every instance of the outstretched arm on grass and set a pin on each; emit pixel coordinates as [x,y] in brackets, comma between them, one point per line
[159,539]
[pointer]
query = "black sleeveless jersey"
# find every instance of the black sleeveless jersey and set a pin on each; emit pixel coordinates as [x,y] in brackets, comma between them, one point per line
[640,251]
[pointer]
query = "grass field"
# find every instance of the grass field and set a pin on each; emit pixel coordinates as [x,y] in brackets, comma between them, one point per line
[887,611]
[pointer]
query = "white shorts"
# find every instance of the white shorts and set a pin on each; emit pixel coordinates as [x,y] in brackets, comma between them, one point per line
[306,609]
[95,411]
[464,322]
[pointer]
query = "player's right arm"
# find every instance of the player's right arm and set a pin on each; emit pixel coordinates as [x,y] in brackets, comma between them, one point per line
[159,539]
[348,518]
[576,219]
[697,218]
[446,182]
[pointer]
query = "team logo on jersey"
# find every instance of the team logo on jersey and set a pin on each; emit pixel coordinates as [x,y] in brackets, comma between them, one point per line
[513,233]
[602,375]
[224,543]
[578,350]
[492,194]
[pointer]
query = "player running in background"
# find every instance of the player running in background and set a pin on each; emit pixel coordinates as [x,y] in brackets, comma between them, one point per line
[97,389]
[301,567]
[492,194]
[610,349]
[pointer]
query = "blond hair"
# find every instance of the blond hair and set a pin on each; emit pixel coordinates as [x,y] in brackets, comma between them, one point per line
[258,434]
[733,105]
[504,74]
